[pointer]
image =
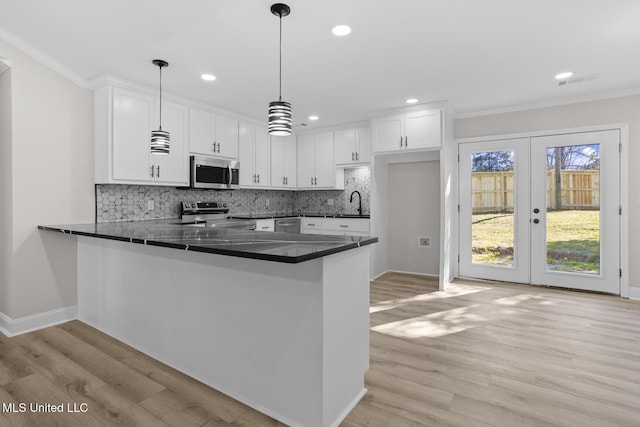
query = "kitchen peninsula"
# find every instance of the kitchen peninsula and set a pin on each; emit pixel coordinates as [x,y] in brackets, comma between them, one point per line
[278,321]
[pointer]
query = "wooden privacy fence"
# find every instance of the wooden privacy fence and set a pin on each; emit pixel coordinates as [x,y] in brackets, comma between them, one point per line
[493,191]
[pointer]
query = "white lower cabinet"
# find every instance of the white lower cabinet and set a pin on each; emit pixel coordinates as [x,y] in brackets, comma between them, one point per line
[267,224]
[311,225]
[335,226]
[346,226]
[124,119]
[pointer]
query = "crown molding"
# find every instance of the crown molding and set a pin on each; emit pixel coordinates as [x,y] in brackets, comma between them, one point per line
[42,57]
[435,105]
[548,104]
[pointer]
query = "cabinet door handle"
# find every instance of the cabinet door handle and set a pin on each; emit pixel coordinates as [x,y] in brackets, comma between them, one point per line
[254,177]
[258,177]
[158,171]
[152,172]
[344,226]
[400,141]
[311,180]
[286,180]
[406,141]
[283,180]
[352,156]
[357,157]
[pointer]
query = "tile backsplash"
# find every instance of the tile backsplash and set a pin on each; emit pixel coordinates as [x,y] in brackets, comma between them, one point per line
[116,202]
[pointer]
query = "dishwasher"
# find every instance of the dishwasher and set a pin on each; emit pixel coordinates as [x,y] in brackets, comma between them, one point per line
[287,225]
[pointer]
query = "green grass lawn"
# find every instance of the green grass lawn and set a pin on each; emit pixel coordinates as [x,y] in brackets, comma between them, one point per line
[573,240]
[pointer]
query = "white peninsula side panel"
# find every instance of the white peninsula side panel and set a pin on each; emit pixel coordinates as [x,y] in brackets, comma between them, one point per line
[290,340]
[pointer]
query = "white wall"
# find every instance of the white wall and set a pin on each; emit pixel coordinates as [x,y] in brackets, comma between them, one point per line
[414,212]
[5,190]
[600,112]
[51,183]
[380,202]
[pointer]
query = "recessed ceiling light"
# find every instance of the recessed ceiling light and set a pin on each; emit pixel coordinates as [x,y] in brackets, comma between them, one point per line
[564,75]
[313,117]
[341,30]
[208,77]
[411,101]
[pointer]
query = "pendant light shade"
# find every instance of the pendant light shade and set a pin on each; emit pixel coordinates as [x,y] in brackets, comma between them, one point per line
[280,118]
[280,113]
[160,138]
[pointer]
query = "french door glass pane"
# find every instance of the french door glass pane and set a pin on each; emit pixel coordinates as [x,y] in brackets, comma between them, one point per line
[492,188]
[573,209]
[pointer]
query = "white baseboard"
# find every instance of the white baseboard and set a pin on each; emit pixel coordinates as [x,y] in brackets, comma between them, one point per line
[634,293]
[5,324]
[12,327]
[435,276]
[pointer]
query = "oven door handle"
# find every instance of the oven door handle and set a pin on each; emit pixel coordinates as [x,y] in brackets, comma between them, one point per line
[230,174]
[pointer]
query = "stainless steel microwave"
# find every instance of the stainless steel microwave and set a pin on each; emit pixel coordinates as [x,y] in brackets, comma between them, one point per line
[210,172]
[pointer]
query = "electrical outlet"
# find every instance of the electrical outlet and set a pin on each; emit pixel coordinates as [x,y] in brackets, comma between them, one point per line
[330,202]
[151,205]
[425,242]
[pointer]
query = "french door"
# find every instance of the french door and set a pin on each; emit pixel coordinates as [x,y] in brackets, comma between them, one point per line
[542,210]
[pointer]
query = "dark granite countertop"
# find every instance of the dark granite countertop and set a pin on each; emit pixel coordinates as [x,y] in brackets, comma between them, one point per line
[264,245]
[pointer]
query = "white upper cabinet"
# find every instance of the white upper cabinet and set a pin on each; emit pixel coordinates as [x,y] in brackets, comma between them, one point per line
[254,156]
[418,130]
[212,134]
[124,119]
[353,146]
[283,162]
[173,167]
[316,162]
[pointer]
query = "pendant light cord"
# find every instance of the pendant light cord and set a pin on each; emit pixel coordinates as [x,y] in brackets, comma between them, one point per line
[160,127]
[280,91]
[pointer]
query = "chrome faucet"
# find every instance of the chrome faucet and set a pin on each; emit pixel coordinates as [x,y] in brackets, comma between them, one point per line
[359,199]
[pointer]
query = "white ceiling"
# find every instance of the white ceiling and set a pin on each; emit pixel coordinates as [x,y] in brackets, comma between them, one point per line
[477,54]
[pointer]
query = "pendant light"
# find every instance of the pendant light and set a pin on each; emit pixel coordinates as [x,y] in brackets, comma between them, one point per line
[280,115]
[160,138]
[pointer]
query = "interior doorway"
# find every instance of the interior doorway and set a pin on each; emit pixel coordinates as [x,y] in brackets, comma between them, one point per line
[414,217]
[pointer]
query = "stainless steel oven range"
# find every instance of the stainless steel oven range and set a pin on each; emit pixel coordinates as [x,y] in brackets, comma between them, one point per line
[212,214]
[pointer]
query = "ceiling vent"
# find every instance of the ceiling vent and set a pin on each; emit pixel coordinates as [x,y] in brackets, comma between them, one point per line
[577,79]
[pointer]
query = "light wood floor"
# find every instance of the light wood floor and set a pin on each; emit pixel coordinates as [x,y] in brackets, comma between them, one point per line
[480,354]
